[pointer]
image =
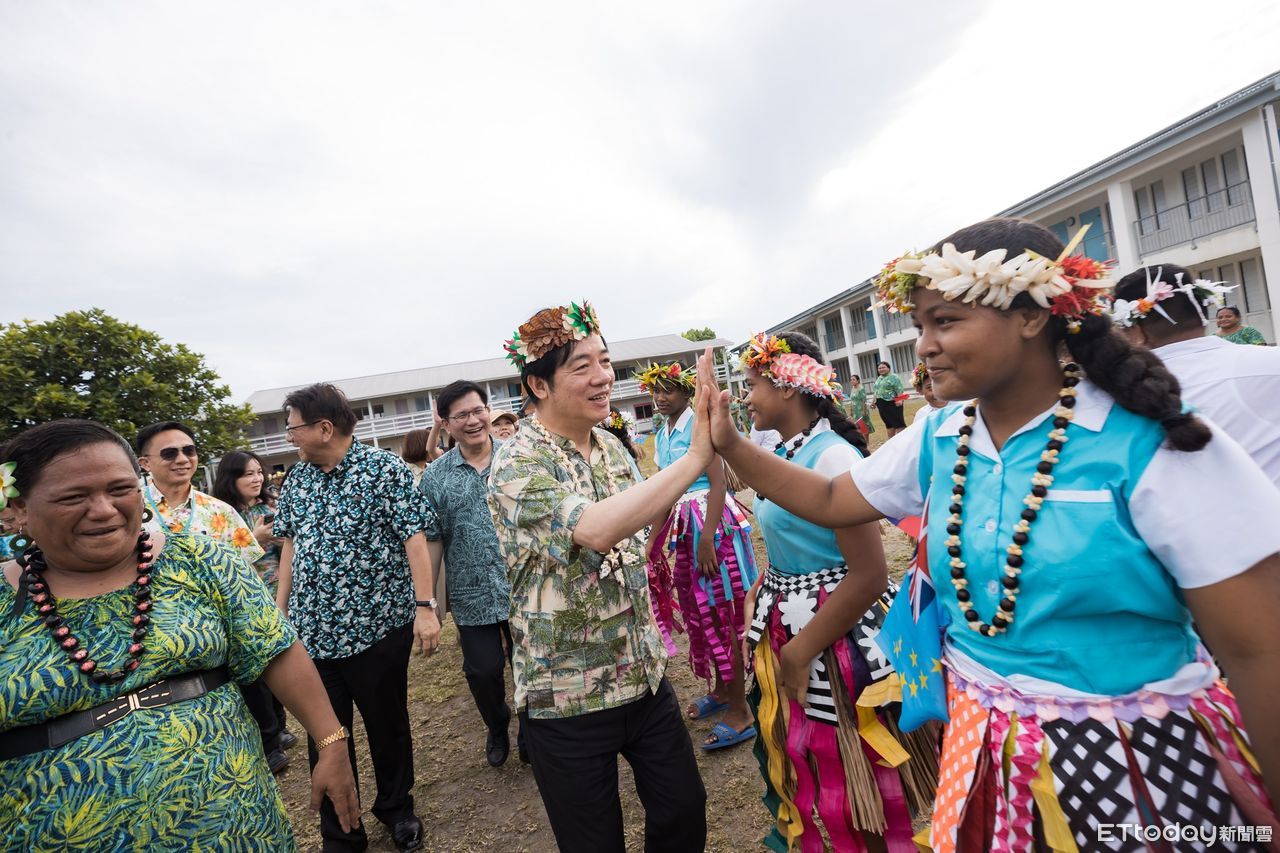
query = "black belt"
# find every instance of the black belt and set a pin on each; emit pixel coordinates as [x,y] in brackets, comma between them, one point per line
[25,740]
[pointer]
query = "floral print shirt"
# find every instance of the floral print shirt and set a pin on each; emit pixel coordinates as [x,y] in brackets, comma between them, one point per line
[351,581]
[1245,335]
[204,515]
[187,776]
[887,387]
[584,634]
[478,589]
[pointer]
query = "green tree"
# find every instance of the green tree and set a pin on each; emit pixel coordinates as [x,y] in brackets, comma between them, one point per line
[88,364]
[704,334]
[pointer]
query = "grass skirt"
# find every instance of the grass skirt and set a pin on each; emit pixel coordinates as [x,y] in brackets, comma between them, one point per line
[711,608]
[1023,772]
[841,756]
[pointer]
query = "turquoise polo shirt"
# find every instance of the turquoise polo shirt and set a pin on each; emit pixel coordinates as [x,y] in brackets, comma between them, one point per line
[673,441]
[1096,611]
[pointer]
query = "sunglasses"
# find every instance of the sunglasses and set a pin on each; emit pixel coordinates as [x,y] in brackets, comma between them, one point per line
[169,454]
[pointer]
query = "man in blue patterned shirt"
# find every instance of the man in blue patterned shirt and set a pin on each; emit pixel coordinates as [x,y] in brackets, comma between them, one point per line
[461,530]
[356,581]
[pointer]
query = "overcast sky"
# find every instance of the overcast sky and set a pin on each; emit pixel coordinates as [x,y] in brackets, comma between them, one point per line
[314,190]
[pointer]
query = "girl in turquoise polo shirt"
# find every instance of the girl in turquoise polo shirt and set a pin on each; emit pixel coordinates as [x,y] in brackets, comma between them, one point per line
[714,565]
[818,609]
[1078,520]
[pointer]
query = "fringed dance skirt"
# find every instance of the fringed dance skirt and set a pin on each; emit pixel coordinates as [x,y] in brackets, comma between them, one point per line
[840,755]
[1147,771]
[711,608]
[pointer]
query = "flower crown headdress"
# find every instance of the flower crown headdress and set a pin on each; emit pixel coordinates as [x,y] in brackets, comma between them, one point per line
[8,483]
[1127,314]
[673,375]
[1072,286]
[550,328]
[617,420]
[919,375]
[771,356]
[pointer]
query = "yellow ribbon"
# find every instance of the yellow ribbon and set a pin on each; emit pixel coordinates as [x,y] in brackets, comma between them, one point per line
[882,692]
[878,737]
[771,704]
[1057,833]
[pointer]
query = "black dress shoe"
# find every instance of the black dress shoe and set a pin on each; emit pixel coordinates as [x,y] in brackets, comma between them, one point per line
[407,834]
[524,754]
[277,761]
[496,748]
[287,739]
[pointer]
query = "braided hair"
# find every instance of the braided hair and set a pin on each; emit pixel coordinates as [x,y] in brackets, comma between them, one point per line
[825,407]
[1133,376]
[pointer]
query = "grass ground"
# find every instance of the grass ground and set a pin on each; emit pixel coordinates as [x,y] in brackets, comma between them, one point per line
[466,805]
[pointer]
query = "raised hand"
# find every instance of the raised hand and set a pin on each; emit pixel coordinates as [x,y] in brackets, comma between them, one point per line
[715,403]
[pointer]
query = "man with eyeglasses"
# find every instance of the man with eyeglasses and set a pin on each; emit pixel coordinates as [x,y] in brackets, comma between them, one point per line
[169,458]
[356,581]
[457,487]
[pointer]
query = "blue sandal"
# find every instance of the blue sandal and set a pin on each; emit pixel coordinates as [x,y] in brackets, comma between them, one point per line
[726,735]
[707,706]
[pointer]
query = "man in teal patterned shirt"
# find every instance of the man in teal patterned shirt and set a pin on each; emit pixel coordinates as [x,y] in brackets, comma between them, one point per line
[461,531]
[570,512]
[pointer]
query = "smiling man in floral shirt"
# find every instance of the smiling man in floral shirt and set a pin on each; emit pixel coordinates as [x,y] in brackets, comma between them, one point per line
[570,509]
[356,580]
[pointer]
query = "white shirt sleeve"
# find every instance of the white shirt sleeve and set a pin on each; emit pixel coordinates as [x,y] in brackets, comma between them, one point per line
[837,459]
[1208,515]
[889,479]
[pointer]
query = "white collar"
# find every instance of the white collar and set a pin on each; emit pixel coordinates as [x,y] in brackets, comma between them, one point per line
[1192,345]
[821,426]
[681,422]
[1092,407]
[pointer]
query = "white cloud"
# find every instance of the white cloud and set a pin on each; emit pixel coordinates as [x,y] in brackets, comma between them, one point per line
[308,190]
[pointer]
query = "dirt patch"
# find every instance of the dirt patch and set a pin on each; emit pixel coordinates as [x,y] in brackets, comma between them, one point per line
[466,805]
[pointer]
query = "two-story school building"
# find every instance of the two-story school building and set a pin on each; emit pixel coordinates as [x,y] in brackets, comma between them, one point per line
[1203,193]
[389,405]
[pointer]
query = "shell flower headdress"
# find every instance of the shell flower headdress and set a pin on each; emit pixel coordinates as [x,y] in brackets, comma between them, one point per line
[673,374]
[1071,286]
[619,421]
[550,328]
[771,356]
[1129,313]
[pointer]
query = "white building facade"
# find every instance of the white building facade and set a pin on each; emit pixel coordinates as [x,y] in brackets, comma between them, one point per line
[389,405]
[1203,193]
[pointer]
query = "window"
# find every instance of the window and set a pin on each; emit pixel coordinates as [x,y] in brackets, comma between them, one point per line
[811,333]
[422,404]
[895,321]
[402,407]
[644,411]
[513,389]
[1234,177]
[833,331]
[1195,198]
[867,366]
[858,322]
[902,358]
[270,426]
[1212,184]
[1150,203]
[623,373]
[841,367]
[377,410]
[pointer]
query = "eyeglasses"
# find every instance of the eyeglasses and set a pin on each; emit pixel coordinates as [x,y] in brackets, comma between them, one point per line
[169,454]
[462,417]
[290,429]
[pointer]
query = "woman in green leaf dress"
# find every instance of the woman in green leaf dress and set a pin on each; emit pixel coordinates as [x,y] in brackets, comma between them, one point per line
[147,638]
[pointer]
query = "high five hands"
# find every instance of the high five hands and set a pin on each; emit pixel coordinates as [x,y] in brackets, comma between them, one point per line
[713,405]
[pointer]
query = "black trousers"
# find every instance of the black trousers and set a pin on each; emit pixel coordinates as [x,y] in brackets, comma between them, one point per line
[267,712]
[486,651]
[376,681]
[575,762]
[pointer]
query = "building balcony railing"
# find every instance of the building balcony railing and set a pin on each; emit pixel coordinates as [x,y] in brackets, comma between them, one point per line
[1184,223]
[371,428]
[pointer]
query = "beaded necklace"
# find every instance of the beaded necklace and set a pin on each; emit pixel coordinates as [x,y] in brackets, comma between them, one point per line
[33,564]
[799,440]
[1040,483]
